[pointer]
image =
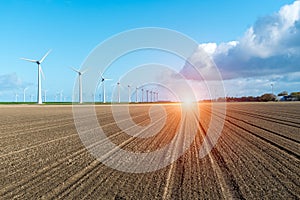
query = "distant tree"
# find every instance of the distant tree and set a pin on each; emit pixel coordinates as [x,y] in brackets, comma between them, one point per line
[268,97]
[284,93]
[295,93]
[296,96]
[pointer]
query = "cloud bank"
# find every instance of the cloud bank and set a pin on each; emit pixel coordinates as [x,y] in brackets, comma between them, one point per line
[271,46]
[9,82]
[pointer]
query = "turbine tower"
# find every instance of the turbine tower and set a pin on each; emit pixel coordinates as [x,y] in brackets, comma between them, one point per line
[80,83]
[147,96]
[24,94]
[151,95]
[136,94]
[103,87]
[119,92]
[272,85]
[61,95]
[31,97]
[16,97]
[40,71]
[129,93]
[45,95]
[142,95]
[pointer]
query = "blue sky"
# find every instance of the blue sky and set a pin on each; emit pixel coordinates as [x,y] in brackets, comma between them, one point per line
[72,29]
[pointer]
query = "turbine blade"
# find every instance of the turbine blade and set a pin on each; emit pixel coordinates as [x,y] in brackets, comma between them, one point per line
[45,56]
[83,72]
[43,75]
[30,60]
[75,70]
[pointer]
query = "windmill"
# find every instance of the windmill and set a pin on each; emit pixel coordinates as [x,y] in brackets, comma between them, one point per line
[151,95]
[31,97]
[24,94]
[119,92]
[142,94]
[80,82]
[103,87]
[16,97]
[40,71]
[129,93]
[272,85]
[61,96]
[136,94]
[119,86]
[45,95]
[147,95]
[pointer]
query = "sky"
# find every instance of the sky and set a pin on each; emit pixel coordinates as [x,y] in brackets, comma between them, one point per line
[253,43]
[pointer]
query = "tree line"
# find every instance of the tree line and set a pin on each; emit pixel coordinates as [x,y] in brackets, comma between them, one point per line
[282,96]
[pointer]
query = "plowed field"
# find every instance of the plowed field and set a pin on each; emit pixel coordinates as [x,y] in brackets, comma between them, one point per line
[256,157]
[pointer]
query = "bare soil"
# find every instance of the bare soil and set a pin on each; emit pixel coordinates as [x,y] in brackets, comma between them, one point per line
[256,157]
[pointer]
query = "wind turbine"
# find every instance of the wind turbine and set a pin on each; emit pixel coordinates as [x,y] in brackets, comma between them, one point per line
[45,95]
[272,85]
[31,97]
[103,87]
[61,95]
[119,92]
[142,94]
[147,96]
[40,71]
[129,93]
[24,94]
[151,96]
[80,83]
[16,97]
[136,94]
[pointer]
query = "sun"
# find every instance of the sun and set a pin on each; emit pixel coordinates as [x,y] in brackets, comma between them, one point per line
[188,102]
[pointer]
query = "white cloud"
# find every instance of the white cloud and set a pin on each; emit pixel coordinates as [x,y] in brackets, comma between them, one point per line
[9,81]
[209,48]
[269,35]
[290,13]
[223,48]
[256,86]
[214,49]
[271,46]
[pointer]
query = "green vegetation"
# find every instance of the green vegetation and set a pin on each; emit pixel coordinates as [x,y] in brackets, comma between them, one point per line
[268,97]
[284,93]
[296,95]
[8,103]
[283,96]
